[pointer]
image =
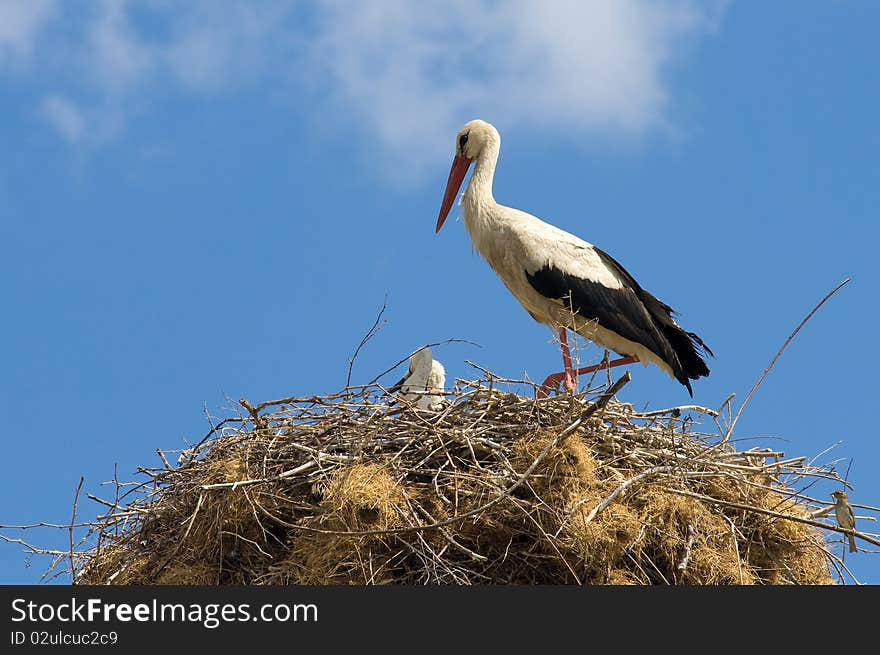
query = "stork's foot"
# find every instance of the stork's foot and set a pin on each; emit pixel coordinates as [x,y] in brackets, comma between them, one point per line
[552,383]
[570,377]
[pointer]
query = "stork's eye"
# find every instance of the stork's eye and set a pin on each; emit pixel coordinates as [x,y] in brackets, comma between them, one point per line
[461,141]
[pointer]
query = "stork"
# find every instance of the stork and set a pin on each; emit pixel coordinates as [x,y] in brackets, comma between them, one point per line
[423,382]
[563,281]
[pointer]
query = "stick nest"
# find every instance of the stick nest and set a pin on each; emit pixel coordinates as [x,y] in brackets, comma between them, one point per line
[497,487]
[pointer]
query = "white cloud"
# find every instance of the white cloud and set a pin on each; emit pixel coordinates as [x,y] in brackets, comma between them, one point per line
[78,125]
[65,117]
[404,74]
[414,73]
[211,49]
[202,46]
[20,23]
[117,58]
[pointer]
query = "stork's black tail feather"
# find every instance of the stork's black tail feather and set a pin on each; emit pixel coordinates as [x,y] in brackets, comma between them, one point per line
[681,350]
[688,363]
[687,347]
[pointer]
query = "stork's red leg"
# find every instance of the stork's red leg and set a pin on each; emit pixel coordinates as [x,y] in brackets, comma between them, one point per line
[570,376]
[606,364]
[570,379]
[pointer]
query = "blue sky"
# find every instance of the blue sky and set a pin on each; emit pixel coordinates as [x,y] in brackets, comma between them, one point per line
[206,201]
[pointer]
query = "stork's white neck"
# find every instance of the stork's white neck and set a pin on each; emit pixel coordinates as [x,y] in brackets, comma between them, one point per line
[479,187]
[477,201]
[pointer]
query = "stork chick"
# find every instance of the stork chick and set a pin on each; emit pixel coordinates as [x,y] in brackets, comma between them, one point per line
[423,383]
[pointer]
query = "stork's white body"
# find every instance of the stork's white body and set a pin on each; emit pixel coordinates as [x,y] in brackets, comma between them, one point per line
[514,242]
[424,381]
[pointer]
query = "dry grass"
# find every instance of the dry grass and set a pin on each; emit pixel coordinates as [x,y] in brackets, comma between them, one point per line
[348,489]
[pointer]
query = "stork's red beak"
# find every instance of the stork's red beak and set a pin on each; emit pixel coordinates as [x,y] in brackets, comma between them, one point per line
[456,175]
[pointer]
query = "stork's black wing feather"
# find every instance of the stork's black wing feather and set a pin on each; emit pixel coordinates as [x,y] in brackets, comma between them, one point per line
[617,310]
[629,311]
[687,345]
[397,386]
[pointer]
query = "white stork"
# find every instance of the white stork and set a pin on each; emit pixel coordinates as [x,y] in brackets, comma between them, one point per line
[563,281]
[423,382]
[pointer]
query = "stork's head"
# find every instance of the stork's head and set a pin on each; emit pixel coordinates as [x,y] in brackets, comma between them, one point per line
[421,360]
[474,137]
[471,141]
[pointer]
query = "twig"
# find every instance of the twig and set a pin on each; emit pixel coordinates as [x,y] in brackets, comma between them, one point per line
[194,451]
[116,488]
[619,490]
[34,549]
[726,402]
[41,524]
[779,515]
[733,531]
[870,508]
[259,422]
[72,524]
[182,539]
[777,355]
[162,457]
[671,410]
[688,545]
[369,335]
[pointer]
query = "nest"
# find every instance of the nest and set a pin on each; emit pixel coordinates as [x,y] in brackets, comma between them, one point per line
[500,488]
